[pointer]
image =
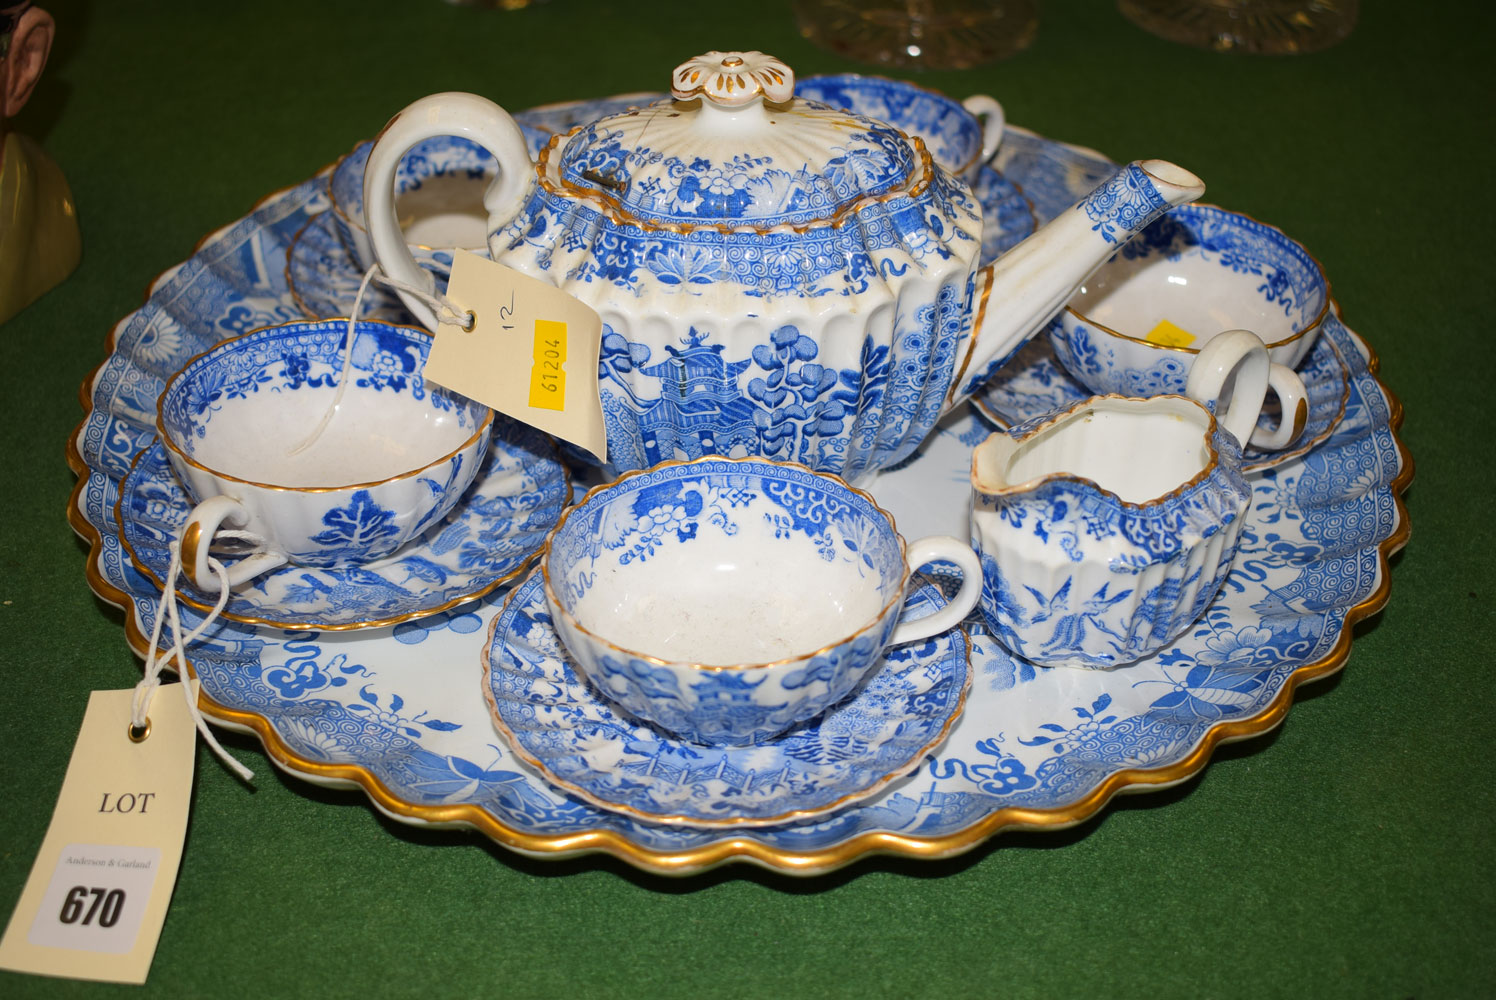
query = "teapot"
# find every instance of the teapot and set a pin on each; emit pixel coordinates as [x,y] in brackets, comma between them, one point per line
[775,277]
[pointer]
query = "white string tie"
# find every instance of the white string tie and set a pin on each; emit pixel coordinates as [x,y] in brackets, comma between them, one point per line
[154,661]
[445,310]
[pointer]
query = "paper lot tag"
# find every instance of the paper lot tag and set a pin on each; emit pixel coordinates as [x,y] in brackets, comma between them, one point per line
[532,352]
[99,888]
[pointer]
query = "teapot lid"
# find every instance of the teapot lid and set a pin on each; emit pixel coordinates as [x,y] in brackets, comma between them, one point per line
[734,151]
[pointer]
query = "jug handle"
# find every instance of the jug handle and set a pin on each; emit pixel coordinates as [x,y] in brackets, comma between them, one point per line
[458,114]
[1242,353]
[989,113]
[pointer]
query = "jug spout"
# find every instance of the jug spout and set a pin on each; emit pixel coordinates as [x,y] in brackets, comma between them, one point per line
[1016,295]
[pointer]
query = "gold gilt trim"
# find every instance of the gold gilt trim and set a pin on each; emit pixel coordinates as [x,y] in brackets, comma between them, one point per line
[1314,324]
[954,390]
[192,538]
[896,597]
[1270,459]
[612,208]
[1134,403]
[745,848]
[971,161]
[726,822]
[166,439]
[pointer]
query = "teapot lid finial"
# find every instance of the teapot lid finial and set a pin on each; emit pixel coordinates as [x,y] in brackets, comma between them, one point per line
[733,79]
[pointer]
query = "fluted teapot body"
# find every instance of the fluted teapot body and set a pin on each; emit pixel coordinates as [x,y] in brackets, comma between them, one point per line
[775,277]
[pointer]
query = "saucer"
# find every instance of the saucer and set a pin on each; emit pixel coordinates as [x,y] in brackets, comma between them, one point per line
[1036,749]
[487,540]
[582,742]
[324,277]
[1035,383]
[1007,215]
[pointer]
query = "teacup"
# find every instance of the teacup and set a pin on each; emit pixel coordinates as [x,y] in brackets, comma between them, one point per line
[1106,529]
[439,188]
[1137,324]
[727,599]
[960,135]
[394,458]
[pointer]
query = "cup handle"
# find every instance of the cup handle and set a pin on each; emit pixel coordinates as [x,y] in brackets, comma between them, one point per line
[1235,352]
[990,114]
[196,538]
[470,117]
[1293,401]
[949,549]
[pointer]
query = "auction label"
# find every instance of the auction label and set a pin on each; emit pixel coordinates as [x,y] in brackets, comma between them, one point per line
[103,877]
[1168,334]
[531,352]
[96,898]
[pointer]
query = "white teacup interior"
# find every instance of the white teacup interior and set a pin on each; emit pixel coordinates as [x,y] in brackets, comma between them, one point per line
[1138,449]
[725,569]
[1201,270]
[246,409]
[445,211]
[1145,298]
[725,601]
[371,437]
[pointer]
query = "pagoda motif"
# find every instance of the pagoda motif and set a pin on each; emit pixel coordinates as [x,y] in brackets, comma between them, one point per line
[700,410]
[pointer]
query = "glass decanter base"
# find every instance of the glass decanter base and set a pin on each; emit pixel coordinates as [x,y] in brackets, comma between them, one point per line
[920,34]
[1271,27]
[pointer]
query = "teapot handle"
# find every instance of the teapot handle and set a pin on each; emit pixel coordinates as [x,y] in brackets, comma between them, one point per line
[989,113]
[470,117]
[1241,353]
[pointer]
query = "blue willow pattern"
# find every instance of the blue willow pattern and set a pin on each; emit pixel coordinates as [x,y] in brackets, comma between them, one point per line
[514,501]
[384,358]
[1308,555]
[781,401]
[952,134]
[556,719]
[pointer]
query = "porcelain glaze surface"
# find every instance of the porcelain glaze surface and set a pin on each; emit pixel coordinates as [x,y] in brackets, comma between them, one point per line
[323,277]
[370,709]
[783,280]
[726,600]
[486,540]
[1106,529]
[324,274]
[1035,383]
[1204,270]
[952,134]
[439,190]
[391,463]
[557,721]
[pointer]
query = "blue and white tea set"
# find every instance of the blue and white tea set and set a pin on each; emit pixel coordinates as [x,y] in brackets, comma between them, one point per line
[797,283]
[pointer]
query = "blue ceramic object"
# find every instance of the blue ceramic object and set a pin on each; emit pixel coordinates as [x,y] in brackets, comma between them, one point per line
[583,743]
[398,711]
[726,600]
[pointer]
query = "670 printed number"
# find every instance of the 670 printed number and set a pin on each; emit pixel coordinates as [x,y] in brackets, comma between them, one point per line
[105,907]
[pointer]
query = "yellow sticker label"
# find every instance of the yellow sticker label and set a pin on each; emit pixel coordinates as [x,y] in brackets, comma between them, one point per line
[1167,334]
[548,372]
[516,317]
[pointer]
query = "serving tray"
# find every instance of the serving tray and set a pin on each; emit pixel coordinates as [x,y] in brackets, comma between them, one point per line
[399,711]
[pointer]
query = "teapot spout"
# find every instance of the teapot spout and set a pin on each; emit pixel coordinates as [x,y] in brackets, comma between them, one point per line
[1020,292]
